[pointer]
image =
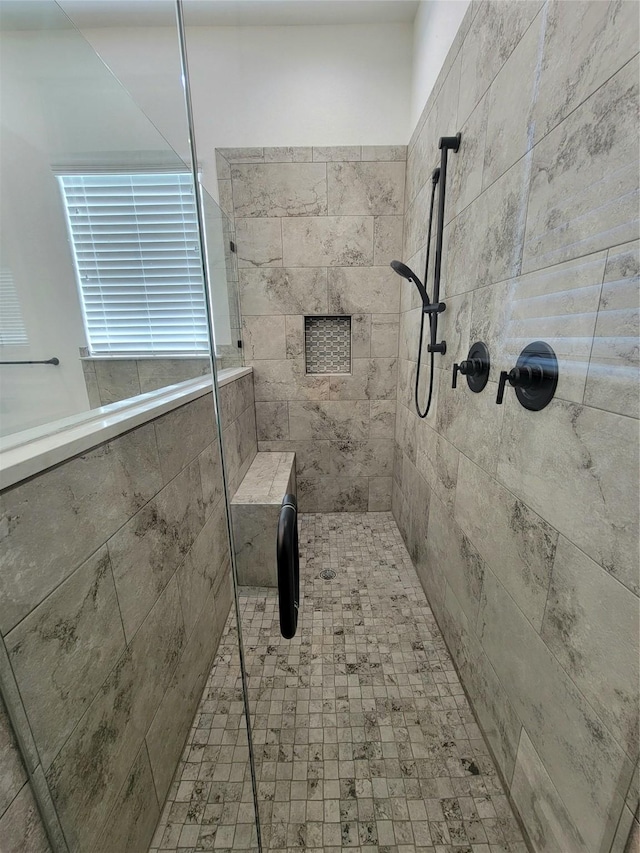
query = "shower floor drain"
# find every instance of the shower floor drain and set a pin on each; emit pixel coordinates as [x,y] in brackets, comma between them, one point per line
[327,574]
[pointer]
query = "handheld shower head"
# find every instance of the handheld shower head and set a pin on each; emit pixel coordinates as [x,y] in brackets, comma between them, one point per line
[408,273]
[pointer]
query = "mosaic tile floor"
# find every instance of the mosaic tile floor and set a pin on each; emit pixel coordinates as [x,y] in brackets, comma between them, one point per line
[364,739]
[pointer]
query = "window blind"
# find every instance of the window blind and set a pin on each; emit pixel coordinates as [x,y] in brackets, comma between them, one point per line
[135,243]
[12,330]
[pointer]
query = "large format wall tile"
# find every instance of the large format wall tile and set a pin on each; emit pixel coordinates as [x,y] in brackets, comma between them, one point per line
[337,420]
[612,381]
[288,380]
[581,757]
[94,493]
[568,214]
[259,243]
[518,545]
[327,241]
[577,469]
[94,763]
[13,774]
[184,433]
[333,494]
[298,189]
[365,188]
[587,614]
[64,650]
[283,291]
[367,290]
[584,45]
[548,823]
[370,379]
[21,829]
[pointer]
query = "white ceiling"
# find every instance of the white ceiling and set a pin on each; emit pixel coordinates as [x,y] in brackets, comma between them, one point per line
[222,13]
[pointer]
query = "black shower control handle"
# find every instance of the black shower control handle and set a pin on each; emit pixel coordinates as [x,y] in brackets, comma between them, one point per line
[529,376]
[468,367]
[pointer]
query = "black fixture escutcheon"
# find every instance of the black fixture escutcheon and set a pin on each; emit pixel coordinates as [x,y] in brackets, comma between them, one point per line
[475,368]
[535,377]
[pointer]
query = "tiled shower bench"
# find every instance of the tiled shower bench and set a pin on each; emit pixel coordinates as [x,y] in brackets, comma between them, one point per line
[255,508]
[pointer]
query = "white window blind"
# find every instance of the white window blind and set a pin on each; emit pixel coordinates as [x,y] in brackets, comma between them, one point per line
[135,241]
[12,330]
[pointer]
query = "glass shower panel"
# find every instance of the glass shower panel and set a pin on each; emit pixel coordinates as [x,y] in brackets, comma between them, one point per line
[116,584]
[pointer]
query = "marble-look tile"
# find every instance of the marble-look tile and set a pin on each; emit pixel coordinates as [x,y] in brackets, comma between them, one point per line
[472,422]
[259,243]
[288,155]
[63,651]
[465,167]
[170,727]
[587,487]
[370,379]
[95,761]
[132,822]
[416,221]
[585,764]
[511,100]
[199,571]
[272,420]
[223,169]
[417,493]
[240,446]
[333,494]
[91,381]
[146,551]
[285,291]
[365,189]
[117,379]
[157,373]
[406,422]
[280,189]
[548,823]
[312,457]
[184,433]
[225,197]
[453,329]
[500,26]
[337,153]
[13,774]
[372,458]
[234,398]
[518,545]
[448,547]
[583,195]
[612,380]
[264,337]
[385,332]
[327,241]
[294,335]
[241,155]
[437,461]
[334,420]
[494,224]
[210,477]
[360,336]
[587,613]
[21,829]
[380,494]
[94,493]
[288,380]
[584,46]
[491,703]
[254,529]
[363,290]
[376,153]
[387,239]
[556,304]
[383,419]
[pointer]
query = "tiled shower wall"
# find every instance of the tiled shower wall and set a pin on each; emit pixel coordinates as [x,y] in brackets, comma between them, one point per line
[316,229]
[114,592]
[523,525]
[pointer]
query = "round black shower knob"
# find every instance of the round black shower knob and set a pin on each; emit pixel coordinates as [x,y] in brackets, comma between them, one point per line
[535,377]
[475,368]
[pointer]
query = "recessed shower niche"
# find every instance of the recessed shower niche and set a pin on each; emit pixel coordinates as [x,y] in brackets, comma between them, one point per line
[327,344]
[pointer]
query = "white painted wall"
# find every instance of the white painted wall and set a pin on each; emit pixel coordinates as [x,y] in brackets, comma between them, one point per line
[435,26]
[294,85]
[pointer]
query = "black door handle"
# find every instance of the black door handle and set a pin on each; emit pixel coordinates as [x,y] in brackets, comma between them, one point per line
[288,566]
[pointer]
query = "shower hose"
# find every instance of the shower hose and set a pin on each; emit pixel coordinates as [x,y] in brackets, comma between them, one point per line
[432,317]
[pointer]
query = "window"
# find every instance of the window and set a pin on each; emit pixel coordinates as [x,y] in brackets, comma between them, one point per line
[12,330]
[137,258]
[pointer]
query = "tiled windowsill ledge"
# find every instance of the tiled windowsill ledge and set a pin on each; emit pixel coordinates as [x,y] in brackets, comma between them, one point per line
[27,453]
